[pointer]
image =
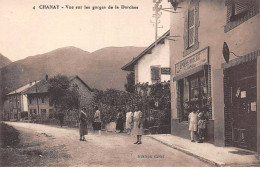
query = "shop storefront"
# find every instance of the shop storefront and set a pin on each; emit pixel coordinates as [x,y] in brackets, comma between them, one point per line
[193,84]
[240,89]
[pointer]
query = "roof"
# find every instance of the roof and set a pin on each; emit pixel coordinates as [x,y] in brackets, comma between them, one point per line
[74,77]
[23,88]
[130,66]
[42,86]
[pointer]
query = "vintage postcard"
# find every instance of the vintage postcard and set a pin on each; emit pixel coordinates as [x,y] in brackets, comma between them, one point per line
[129,83]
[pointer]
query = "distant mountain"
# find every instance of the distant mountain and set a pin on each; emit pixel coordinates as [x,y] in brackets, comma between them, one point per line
[99,69]
[4,61]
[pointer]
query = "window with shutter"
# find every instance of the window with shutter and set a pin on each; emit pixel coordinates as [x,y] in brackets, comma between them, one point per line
[240,6]
[239,11]
[155,74]
[191,28]
[191,25]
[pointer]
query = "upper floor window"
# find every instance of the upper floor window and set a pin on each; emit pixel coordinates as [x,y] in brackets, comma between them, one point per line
[239,11]
[43,101]
[191,28]
[155,74]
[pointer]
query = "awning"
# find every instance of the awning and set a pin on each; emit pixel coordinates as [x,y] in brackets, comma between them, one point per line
[190,72]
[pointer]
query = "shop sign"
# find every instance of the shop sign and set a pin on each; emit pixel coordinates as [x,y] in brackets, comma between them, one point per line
[200,58]
[166,70]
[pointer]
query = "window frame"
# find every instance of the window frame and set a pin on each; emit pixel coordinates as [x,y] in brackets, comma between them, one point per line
[191,47]
[235,19]
[158,67]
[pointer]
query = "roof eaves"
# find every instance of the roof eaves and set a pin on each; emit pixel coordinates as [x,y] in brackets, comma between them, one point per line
[129,66]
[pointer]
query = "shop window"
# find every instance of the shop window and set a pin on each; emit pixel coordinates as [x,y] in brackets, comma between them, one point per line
[239,11]
[191,28]
[193,91]
[155,74]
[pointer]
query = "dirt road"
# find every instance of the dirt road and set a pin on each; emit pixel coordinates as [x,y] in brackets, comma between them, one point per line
[55,146]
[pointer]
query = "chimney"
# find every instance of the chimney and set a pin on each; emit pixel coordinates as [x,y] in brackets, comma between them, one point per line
[46,77]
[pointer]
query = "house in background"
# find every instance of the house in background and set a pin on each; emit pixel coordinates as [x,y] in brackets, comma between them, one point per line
[38,97]
[16,105]
[153,64]
[151,70]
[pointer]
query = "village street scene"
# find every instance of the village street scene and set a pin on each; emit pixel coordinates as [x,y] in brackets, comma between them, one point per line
[180,89]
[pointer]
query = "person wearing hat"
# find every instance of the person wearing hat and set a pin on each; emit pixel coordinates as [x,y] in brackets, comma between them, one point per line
[83,126]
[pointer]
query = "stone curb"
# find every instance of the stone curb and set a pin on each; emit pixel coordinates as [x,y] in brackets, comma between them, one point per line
[211,162]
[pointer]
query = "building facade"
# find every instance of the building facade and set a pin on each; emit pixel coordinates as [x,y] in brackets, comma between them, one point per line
[17,106]
[225,87]
[152,65]
[39,105]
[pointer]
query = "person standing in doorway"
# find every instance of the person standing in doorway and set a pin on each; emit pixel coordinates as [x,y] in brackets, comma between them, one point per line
[83,126]
[97,121]
[138,128]
[193,124]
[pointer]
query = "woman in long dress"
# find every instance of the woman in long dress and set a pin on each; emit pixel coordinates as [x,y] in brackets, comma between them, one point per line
[97,121]
[129,121]
[120,121]
[138,128]
[83,126]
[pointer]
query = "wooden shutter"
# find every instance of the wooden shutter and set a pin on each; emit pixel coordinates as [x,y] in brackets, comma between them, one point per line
[241,6]
[186,27]
[191,26]
[155,73]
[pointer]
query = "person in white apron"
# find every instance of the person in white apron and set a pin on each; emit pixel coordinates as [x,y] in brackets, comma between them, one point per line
[138,128]
[193,124]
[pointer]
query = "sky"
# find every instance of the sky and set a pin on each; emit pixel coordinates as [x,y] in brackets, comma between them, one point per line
[25,31]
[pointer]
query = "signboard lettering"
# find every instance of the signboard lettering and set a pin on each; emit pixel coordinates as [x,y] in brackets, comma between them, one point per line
[191,62]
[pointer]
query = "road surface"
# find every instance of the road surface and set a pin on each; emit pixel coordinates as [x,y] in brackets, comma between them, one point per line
[46,145]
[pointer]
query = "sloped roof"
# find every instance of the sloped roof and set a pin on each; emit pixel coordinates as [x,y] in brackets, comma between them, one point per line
[22,89]
[42,86]
[130,66]
[77,77]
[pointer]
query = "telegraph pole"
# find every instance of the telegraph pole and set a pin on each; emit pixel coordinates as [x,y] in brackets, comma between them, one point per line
[157,14]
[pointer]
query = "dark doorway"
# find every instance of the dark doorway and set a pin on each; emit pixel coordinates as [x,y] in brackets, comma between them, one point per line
[242,82]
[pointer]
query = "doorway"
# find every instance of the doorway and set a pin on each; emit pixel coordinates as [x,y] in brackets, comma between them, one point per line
[243,94]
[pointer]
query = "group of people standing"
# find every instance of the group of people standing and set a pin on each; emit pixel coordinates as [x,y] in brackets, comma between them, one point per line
[197,124]
[134,122]
[83,123]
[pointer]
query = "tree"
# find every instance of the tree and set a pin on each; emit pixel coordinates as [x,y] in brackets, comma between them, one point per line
[129,86]
[64,96]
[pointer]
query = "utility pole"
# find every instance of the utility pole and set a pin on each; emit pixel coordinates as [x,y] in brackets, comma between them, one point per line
[157,14]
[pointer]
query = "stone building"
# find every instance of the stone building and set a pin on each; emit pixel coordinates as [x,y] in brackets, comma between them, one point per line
[227,87]
[16,105]
[38,96]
